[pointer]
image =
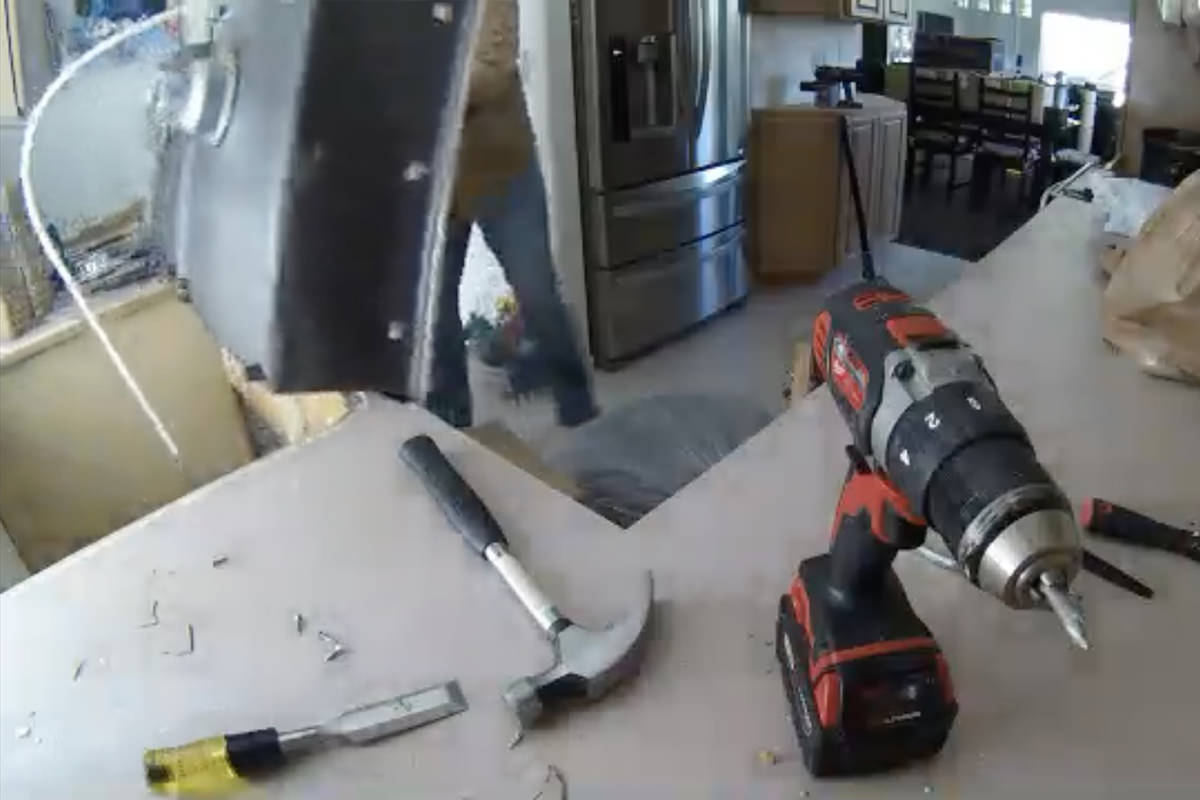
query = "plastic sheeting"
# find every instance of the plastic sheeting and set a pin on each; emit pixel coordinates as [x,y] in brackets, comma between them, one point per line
[629,460]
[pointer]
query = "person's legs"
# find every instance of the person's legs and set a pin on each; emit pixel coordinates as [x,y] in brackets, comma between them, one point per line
[450,394]
[515,224]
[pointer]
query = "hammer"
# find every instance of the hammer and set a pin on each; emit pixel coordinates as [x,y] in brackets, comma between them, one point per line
[587,663]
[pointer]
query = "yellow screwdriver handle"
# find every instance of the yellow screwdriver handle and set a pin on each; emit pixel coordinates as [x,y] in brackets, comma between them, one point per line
[212,767]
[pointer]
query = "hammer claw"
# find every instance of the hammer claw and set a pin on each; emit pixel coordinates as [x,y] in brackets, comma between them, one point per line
[588,663]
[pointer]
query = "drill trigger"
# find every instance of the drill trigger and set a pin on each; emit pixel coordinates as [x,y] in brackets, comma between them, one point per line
[890,518]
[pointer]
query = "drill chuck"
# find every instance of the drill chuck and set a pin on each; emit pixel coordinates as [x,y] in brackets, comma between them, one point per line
[1004,519]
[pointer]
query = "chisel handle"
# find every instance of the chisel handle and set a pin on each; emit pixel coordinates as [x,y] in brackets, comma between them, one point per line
[462,507]
[215,766]
[1117,522]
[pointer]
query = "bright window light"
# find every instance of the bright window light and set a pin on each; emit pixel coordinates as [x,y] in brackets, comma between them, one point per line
[1002,6]
[1086,49]
[962,3]
[983,5]
[1026,8]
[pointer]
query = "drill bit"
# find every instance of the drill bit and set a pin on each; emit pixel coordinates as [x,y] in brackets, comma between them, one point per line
[1066,608]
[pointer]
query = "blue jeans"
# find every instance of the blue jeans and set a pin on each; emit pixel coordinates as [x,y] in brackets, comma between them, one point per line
[515,225]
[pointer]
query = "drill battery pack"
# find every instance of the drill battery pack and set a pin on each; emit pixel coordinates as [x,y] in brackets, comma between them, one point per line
[867,684]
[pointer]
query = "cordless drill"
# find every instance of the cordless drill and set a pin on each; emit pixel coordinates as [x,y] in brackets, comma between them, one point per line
[933,445]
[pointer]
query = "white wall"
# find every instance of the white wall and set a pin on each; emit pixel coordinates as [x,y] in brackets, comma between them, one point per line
[1164,82]
[91,155]
[1026,37]
[784,50]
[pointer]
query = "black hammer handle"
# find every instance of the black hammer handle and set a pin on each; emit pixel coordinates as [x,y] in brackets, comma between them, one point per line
[458,500]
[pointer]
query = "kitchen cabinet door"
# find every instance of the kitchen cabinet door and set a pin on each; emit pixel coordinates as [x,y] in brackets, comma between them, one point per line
[865,9]
[794,213]
[891,152]
[827,8]
[862,130]
[898,11]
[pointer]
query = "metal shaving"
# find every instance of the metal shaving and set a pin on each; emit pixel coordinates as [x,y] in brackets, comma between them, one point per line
[553,775]
[23,732]
[191,643]
[332,641]
[298,620]
[153,616]
[78,670]
[220,561]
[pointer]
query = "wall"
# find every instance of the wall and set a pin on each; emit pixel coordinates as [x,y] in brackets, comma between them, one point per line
[1025,38]
[1164,82]
[548,76]
[91,156]
[785,49]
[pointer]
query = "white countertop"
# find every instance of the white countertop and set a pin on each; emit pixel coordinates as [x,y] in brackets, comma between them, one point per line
[341,531]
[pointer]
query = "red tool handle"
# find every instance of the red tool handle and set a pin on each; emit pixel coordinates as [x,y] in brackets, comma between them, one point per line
[873,521]
[1117,522]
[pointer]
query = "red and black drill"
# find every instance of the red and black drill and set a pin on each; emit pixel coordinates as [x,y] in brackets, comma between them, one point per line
[933,445]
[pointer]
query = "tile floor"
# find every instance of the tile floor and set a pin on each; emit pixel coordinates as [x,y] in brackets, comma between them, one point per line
[746,351]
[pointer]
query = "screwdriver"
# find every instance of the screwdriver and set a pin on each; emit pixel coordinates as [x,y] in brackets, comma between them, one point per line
[221,764]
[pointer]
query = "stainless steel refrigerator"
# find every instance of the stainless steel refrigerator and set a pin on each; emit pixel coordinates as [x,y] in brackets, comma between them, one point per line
[661,108]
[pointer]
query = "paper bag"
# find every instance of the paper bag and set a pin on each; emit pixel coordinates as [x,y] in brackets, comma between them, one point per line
[1152,303]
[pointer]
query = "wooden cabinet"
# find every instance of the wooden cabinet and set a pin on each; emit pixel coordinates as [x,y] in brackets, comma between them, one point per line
[893,11]
[898,11]
[891,150]
[865,9]
[861,128]
[828,8]
[800,210]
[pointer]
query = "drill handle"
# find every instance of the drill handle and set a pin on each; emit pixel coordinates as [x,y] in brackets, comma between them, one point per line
[873,521]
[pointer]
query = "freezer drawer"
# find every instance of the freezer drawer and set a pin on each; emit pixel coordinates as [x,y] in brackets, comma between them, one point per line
[640,305]
[642,222]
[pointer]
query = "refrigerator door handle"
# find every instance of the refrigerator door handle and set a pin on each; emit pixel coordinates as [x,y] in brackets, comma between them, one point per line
[685,44]
[618,89]
[698,28]
[679,191]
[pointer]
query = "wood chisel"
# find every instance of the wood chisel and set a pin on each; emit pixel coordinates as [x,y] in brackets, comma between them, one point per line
[1125,525]
[221,764]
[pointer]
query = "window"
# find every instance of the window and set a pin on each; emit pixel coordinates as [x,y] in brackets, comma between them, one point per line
[1026,8]
[1003,6]
[983,5]
[1085,49]
[962,3]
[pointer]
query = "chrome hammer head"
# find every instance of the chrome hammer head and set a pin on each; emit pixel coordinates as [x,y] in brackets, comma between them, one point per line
[587,662]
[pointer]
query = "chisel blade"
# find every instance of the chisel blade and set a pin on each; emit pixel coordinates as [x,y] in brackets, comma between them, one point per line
[375,721]
[1115,575]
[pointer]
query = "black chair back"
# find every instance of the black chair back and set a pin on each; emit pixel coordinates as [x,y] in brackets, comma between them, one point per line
[1006,117]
